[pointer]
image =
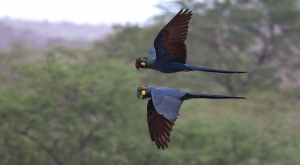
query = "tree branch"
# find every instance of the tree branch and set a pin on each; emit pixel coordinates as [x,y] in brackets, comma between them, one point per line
[49,151]
[226,82]
[265,52]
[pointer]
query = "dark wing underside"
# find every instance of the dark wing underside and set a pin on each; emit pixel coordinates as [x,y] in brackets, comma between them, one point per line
[159,127]
[169,43]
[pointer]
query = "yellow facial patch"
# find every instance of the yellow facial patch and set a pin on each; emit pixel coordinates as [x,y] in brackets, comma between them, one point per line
[143,93]
[143,59]
[143,87]
[144,64]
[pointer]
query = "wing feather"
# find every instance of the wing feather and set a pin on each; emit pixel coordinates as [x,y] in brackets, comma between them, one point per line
[167,101]
[152,51]
[159,126]
[169,44]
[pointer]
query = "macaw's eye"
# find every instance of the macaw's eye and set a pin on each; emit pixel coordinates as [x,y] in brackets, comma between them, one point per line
[144,64]
[143,93]
[143,87]
[143,59]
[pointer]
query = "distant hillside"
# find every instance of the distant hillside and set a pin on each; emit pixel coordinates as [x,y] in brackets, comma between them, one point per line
[42,33]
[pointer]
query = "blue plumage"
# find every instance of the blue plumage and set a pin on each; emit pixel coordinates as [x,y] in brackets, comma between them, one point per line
[167,101]
[163,107]
[173,66]
[152,51]
[169,56]
[169,50]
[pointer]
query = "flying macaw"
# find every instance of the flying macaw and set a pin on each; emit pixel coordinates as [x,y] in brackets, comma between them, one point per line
[169,50]
[163,108]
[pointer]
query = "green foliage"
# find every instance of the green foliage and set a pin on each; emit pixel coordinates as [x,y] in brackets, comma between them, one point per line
[257,37]
[79,106]
[58,107]
[62,112]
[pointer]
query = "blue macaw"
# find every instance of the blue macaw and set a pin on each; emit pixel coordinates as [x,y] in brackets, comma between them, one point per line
[169,50]
[163,108]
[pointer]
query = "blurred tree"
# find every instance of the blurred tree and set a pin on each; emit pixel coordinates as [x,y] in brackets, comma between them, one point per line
[16,55]
[54,109]
[259,37]
[79,106]
[256,36]
[70,109]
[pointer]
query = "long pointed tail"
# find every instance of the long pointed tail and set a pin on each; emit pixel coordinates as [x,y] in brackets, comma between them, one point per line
[190,67]
[208,96]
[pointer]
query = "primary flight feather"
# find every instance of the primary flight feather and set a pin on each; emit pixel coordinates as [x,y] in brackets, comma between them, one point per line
[169,51]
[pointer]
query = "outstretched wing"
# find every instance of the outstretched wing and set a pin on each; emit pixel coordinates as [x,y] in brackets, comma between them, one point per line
[159,127]
[169,43]
[167,101]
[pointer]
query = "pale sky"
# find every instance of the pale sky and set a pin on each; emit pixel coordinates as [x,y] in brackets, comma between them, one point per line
[81,11]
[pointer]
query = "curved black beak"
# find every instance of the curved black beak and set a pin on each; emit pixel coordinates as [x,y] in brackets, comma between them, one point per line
[138,94]
[137,66]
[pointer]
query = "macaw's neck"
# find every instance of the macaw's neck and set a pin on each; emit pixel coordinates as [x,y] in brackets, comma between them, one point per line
[149,88]
[150,63]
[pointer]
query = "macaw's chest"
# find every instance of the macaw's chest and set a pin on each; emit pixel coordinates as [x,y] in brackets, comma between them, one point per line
[169,66]
[149,112]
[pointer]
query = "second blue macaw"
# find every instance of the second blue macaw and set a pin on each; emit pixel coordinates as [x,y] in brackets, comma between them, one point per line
[169,50]
[163,108]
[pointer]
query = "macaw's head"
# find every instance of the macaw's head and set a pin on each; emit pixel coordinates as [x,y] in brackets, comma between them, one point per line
[141,62]
[145,91]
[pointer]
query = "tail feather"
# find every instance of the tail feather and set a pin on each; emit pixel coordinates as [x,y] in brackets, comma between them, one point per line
[208,96]
[190,67]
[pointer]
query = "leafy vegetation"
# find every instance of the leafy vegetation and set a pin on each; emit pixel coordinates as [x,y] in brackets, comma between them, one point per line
[79,106]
